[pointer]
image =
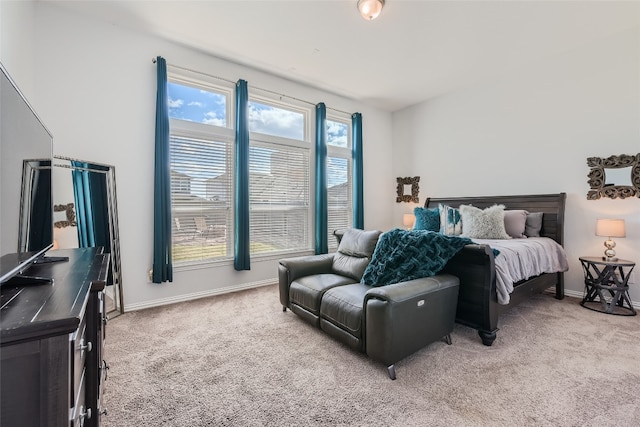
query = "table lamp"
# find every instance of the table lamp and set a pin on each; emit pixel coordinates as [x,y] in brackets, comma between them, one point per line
[408,220]
[610,228]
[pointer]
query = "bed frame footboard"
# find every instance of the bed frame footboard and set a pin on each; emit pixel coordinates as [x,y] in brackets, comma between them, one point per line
[478,305]
[475,265]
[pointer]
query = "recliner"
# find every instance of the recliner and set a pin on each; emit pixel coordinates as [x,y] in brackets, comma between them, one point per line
[388,323]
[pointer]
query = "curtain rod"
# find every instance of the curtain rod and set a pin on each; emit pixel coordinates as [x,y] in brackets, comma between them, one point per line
[255,87]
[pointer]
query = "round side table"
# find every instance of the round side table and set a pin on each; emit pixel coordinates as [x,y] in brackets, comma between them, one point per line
[606,285]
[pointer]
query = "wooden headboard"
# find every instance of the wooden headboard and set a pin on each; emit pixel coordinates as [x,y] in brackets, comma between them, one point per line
[551,205]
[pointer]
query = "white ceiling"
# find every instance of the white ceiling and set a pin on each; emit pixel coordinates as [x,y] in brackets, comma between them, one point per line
[415,50]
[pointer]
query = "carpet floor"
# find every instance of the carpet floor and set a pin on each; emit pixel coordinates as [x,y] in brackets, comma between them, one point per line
[238,360]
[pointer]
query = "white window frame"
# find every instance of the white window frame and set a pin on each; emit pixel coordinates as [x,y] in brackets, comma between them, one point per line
[342,152]
[259,139]
[226,134]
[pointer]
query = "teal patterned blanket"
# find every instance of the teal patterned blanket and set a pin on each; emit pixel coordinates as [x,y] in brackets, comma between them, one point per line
[402,255]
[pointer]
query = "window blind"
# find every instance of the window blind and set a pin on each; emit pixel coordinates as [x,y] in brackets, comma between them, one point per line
[200,198]
[278,197]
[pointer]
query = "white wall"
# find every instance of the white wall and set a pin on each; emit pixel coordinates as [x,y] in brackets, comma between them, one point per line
[95,90]
[531,133]
[17,33]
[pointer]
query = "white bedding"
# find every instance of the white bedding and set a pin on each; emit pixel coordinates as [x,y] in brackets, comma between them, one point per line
[521,259]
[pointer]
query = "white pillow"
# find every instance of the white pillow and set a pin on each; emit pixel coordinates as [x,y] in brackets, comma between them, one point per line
[483,224]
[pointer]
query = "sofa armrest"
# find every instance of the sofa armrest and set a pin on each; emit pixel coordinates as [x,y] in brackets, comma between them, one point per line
[402,292]
[290,269]
[403,317]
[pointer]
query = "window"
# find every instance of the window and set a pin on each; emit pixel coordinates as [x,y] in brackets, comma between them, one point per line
[280,173]
[276,121]
[279,177]
[201,171]
[339,178]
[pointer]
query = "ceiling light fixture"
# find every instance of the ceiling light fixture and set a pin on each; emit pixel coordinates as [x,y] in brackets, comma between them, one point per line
[370,9]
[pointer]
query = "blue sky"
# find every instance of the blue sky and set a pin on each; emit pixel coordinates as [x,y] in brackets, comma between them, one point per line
[196,105]
[200,106]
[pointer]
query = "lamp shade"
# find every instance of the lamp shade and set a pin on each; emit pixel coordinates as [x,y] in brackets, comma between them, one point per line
[408,220]
[610,228]
[370,9]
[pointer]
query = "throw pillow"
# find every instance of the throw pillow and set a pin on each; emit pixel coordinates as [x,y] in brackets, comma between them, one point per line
[533,225]
[483,224]
[514,223]
[426,219]
[450,220]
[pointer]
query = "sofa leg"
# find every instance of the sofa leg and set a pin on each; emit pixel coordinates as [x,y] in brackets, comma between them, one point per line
[284,309]
[392,371]
[447,339]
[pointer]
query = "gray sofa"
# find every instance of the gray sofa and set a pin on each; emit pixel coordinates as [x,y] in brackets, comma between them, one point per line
[387,323]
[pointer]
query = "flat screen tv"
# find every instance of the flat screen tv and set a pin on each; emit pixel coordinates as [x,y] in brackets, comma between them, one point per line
[26,204]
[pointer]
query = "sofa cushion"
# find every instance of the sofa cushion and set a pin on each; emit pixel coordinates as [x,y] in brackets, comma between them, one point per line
[342,306]
[354,252]
[307,291]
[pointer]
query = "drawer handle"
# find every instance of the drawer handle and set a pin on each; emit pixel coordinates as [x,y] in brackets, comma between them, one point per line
[105,368]
[85,414]
[88,347]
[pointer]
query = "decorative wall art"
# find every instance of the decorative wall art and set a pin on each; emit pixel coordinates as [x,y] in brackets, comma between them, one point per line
[614,177]
[71,215]
[406,185]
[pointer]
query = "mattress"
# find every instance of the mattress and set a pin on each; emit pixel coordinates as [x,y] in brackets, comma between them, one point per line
[521,259]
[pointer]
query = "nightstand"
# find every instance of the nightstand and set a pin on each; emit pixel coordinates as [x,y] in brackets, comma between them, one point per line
[606,285]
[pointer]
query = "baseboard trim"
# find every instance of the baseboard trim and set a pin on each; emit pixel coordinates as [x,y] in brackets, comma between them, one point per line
[251,285]
[575,294]
[198,295]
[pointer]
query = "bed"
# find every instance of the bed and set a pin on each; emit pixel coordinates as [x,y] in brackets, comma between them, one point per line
[475,265]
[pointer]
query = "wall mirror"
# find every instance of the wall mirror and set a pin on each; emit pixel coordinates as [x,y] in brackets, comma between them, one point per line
[408,189]
[85,214]
[614,177]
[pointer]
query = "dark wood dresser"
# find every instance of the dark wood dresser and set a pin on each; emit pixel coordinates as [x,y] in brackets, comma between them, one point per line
[51,341]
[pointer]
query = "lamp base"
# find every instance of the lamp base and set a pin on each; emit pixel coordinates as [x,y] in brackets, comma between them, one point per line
[609,253]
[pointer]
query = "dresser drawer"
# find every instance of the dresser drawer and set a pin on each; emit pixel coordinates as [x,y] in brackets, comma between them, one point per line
[80,414]
[80,346]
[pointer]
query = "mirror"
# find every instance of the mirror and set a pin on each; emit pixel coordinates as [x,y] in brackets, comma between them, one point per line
[408,189]
[35,211]
[614,177]
[85,214]
[620,176]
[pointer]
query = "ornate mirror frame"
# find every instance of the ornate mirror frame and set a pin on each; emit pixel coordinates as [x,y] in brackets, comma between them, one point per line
[597,177]
[415,189]
[69,210]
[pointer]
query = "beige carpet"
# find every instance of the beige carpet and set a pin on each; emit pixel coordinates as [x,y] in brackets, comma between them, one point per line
[238,360]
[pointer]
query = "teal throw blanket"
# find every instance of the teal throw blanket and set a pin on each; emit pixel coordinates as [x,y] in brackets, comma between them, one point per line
[402,255]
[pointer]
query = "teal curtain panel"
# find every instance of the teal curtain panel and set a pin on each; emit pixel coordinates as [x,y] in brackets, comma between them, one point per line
[241,257]
[162,266]
[358,196]
[321,214]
